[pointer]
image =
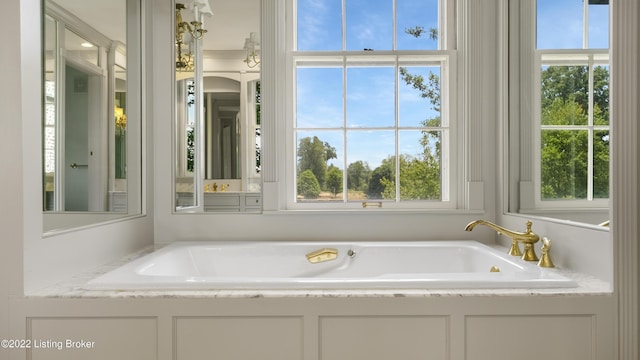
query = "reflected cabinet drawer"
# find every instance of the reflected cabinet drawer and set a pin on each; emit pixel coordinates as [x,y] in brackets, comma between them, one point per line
[222,200]
[253,200]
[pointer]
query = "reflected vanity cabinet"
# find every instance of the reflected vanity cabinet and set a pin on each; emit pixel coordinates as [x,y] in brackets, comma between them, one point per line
[232,202]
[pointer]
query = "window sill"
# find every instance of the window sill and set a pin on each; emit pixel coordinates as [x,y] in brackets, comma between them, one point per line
[369,211]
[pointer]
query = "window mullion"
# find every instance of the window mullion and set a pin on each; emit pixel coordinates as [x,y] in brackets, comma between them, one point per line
[397,125]
[591,133]
[345,158]
[344,25]
[394,46]
[585,25]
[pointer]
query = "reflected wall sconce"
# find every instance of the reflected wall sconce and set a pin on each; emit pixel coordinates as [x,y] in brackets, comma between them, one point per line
[121,118]
[186,33]
[252,50]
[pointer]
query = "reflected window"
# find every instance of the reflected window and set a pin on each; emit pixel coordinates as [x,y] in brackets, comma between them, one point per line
[573,98]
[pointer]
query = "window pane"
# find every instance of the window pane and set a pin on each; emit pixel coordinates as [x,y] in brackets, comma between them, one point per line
[420,159]
[564,164]
[601,95]
[375,150]
[560,24]
[419,96]
[369,24]
[599,26]
[319,100]
[601,165]
[417,26]
[564,95]
[319,163]
[370,97]
[319,25]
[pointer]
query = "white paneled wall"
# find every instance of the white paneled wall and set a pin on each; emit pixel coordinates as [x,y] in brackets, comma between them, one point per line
[443,327]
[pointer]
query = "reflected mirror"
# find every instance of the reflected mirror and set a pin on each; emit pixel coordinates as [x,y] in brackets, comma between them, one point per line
[217,106]
[91,110]
[559,120]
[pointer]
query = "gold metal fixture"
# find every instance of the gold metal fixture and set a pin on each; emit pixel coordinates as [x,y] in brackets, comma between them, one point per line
[494,269]
[322,255]
[528,238]
[184,56]
[545,258]
[120,118]
[377,204]
[605,224]
[252,49]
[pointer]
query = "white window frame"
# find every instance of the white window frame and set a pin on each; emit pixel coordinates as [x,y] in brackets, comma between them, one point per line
[452,187]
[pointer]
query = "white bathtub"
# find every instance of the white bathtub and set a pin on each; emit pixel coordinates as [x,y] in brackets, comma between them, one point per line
[359,265]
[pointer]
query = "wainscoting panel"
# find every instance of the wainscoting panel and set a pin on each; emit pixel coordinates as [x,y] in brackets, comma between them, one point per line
[238,338]
[384,337]
[92,338]
[555,337]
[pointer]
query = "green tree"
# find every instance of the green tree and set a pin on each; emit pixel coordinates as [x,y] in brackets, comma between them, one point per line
[382,180]
[418,180]
[308,185]
[191,148]
[572,83]
[313,155]
[334,180]
[358,175]
[564,153]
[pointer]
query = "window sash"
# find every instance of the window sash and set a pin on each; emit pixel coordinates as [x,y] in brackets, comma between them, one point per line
[580,57]
[346,60]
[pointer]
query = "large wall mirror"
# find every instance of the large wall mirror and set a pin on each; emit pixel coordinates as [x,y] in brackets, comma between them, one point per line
[559,110]
[217,132]
[92,111]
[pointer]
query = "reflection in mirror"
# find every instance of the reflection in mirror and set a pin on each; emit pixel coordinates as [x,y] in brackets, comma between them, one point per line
[217,106]
[222,129]
[562,118]
[90,124]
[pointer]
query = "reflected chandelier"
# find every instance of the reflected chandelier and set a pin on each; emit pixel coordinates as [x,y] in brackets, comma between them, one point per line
[252,50]
[184,59]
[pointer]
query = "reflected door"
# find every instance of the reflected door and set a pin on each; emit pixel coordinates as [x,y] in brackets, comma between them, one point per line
[82,130]
[77,141]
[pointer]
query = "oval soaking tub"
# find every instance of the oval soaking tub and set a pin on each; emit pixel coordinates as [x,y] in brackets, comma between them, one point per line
[328,265]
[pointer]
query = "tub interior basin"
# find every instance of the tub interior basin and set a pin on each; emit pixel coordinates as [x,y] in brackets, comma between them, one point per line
[424,264]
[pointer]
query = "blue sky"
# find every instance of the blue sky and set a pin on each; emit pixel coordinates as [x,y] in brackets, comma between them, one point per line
[370,91]
[560,24]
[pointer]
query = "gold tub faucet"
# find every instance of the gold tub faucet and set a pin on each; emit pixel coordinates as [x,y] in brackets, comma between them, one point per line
[528,238]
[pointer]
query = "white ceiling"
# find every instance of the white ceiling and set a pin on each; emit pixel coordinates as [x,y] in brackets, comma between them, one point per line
[230,24]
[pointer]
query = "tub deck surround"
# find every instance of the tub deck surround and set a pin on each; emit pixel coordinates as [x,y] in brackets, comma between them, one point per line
[76,287]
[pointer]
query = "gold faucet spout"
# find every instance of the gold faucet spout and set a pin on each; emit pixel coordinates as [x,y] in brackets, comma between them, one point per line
[528,238]
[525,237]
